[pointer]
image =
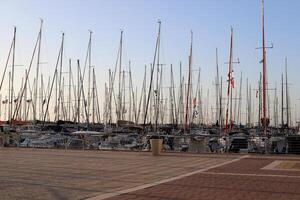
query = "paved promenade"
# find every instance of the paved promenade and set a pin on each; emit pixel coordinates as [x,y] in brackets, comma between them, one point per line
[244,179]
[76,174]
[94,175]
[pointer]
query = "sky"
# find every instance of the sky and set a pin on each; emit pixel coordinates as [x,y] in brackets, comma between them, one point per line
[210,21]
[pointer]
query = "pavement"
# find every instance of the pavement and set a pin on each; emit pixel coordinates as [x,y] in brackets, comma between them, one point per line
[114,175]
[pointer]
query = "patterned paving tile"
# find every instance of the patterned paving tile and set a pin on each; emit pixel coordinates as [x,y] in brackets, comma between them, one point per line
[75,174]
[244,179]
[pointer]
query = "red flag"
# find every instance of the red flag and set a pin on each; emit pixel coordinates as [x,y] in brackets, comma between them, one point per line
[229,82]
[228,89]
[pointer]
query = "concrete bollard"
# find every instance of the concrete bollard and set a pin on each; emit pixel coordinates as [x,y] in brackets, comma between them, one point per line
[156,146]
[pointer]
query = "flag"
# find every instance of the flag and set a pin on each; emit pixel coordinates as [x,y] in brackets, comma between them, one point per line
[229,82]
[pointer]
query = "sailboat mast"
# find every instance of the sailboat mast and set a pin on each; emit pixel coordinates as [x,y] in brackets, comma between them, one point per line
[240,100]
[250,104]
[264,81]
[60,86]
[120,111]
[275,107]
[158,73]
[69,95]
[207,108]
[142,97]
[37,73]
[93,97]
[89,75]
[161,97]
[174,98]
[230,84]
[12,77]
[25,97]
[282,99]
[78,94]
[9,94]
[152,72]
[53,79]
[42,98]
[259,101]
[196,99]
[287,95]
[188,86]
[5,69]
[247,106]
[217,87]
[180,99]
[220,104]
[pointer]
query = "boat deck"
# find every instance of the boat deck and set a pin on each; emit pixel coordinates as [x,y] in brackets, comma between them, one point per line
[74,174]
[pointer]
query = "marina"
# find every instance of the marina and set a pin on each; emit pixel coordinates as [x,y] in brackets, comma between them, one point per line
[61,115]
[66,112]
[154,110]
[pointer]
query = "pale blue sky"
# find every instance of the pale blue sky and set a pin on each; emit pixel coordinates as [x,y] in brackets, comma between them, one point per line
[210,21]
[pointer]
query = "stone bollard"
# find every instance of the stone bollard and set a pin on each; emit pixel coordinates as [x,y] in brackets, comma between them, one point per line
[156,146]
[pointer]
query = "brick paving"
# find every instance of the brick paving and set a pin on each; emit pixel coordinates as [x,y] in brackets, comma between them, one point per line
[254,165]
[220,187]
[58,174]
[31,174]
[243,180]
